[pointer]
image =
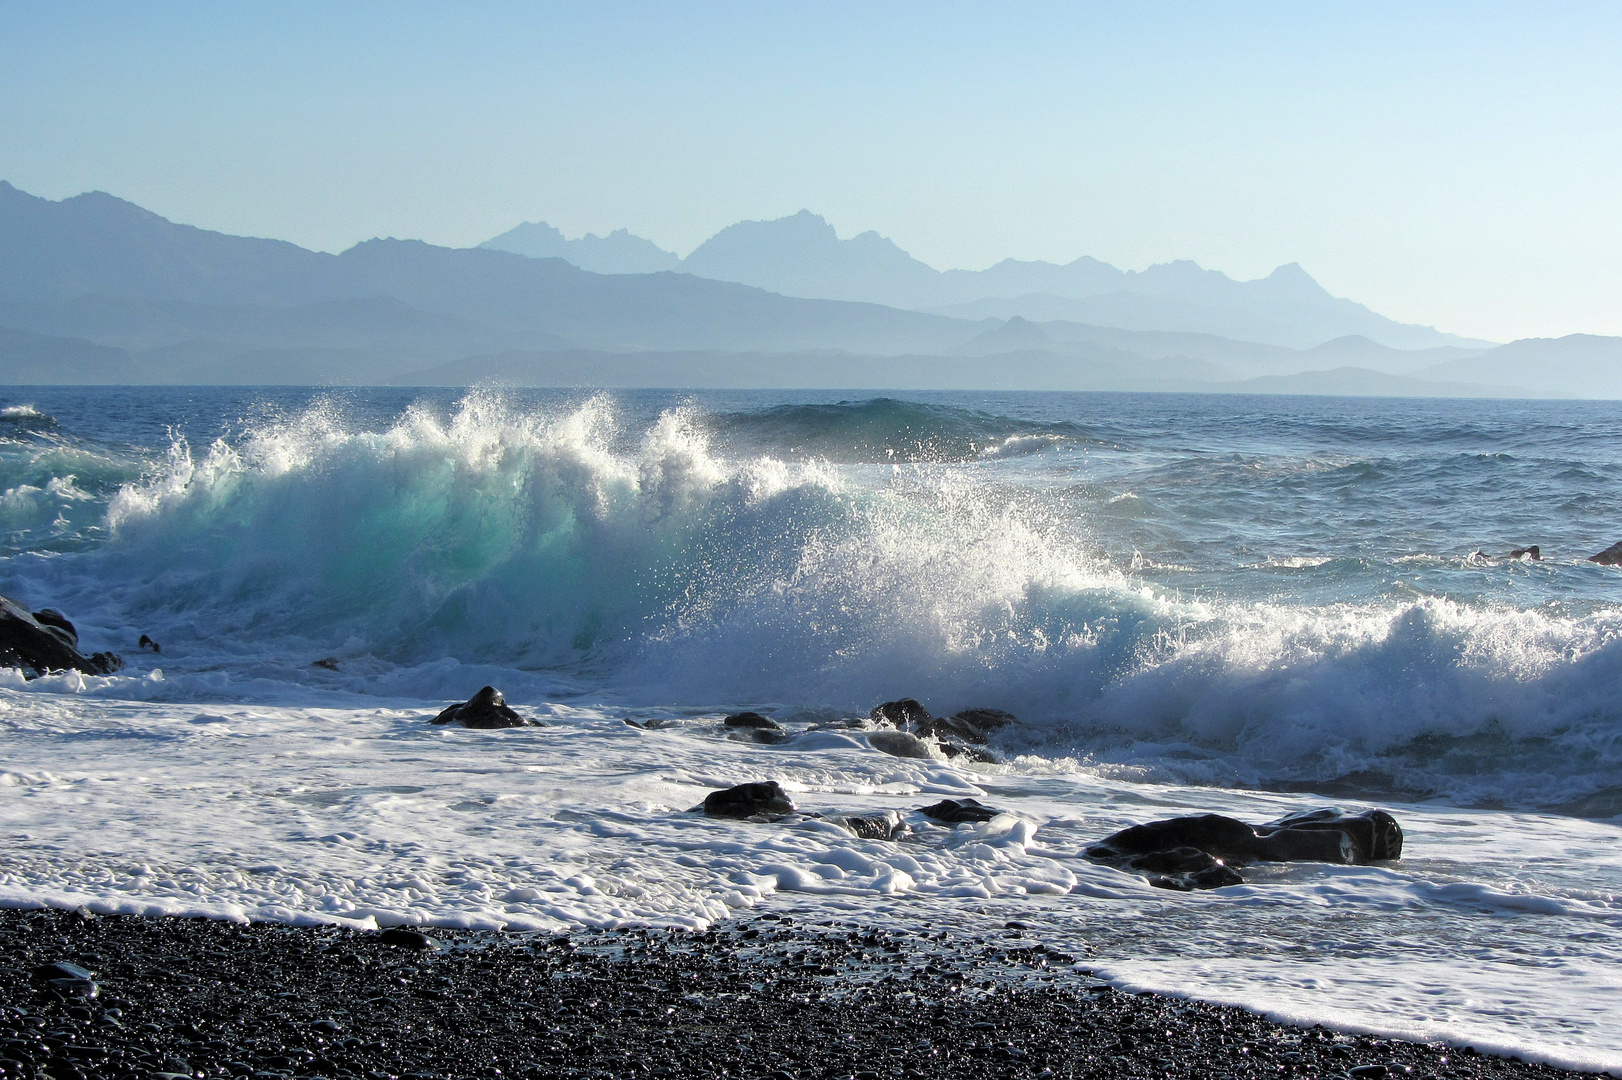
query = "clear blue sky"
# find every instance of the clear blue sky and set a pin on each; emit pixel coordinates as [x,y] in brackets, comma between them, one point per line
[1453,164]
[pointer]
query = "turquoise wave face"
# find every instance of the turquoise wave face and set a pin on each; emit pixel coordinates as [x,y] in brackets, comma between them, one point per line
[1206,590]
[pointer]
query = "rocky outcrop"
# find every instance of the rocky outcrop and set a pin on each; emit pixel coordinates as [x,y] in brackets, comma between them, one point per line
[762,801]
[487,709]
[957,811]
[962,735]
[43,641]
[1611,556]
[753,727]
[1203,851]
[879,825]
[899,744]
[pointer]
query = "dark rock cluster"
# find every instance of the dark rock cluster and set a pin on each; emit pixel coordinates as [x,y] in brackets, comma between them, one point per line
[43,641]
[766,801]
[1204,851]
[762,998]
[962,734]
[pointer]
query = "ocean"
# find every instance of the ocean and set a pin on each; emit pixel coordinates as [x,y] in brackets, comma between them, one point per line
[1248,605]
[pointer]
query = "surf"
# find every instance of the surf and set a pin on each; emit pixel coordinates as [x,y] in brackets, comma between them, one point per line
[670,563]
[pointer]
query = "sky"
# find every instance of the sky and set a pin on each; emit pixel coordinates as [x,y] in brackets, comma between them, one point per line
[1458,165]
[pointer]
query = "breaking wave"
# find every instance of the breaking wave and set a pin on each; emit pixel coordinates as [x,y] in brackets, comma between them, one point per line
[728,559]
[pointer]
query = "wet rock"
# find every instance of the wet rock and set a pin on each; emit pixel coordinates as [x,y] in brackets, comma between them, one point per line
[905,714]
[152,646]
[1167,849]
[1611,556]
[44,641]
[899,744]
[1373,836]
[753,727]
[765,800]
[975,725]
[752,720]
[55,622]
[61,969]
[880,825]
[958,736]
[67,979]
[957,811]
[405,939]
[952,750]
[1183,869]
[487,709]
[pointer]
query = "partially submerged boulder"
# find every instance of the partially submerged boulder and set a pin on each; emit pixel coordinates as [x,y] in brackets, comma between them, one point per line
[957,811]
[486,709]
[764,800]
[878,825]
[963,734]
[899,744]
[1201,851]
[753,727]
[44,641]
[752,720]
[1611,556]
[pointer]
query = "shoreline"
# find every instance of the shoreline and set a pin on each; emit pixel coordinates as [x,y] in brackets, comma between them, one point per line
[765,996]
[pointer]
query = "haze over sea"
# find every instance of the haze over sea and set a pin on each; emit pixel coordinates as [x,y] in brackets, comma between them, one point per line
[1238,604]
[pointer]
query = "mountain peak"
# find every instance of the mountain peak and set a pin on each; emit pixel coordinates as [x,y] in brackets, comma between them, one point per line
[1290,280]
[620,252]
[802,255]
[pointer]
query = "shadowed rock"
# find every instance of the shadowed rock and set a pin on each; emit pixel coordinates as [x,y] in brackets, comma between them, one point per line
[905,714]
[753,727]
[69,980]
[879,825]
[899,744]
[486,709]
[974,725]
[44,641]
[752,720]
[52,619]
[765,800]
[1164,849]
[1611,556]
[957,811]
[960,735]
[1183,869]
[405,939]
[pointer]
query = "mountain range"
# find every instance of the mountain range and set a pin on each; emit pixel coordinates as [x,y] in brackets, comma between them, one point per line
[94,289]
[802,255]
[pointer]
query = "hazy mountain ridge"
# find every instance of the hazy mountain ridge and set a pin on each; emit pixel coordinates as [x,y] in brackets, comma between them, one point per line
[96,290]
[619,252]
[802,255]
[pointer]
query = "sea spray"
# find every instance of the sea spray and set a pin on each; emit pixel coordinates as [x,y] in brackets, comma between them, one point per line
[665,564]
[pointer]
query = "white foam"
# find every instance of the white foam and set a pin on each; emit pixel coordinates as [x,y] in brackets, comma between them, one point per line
[592,573]
[361,813]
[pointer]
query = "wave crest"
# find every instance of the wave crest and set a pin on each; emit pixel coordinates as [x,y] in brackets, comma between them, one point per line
[660,570]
